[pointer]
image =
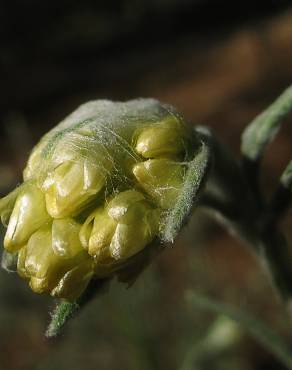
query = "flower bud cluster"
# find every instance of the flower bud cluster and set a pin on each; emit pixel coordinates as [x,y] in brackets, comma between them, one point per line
[95,192]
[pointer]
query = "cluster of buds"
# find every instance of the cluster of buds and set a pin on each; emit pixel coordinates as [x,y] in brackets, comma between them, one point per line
[96,192]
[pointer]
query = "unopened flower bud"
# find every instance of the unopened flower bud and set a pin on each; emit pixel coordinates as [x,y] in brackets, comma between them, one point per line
[121,229]
[96,234]
[162,138]
[162,179]
[29,213]
[71,186]
[137,223]
[39,263]
[7,204]
[65,237]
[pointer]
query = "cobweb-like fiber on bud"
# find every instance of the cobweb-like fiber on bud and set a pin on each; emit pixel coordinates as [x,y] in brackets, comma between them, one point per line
[102,134]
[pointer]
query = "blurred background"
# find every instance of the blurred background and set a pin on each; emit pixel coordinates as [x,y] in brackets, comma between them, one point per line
[220,64]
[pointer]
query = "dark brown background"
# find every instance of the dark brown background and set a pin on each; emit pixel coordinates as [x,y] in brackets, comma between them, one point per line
[220,64]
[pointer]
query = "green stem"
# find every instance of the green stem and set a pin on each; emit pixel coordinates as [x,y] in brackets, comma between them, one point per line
[229,195]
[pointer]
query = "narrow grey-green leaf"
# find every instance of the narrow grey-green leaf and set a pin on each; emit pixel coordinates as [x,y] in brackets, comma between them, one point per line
[194,179]
[62,313]
[265,126]
[263,334]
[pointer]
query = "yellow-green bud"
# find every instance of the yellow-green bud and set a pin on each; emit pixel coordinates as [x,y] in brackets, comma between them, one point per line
[71,186]
[121,229]
[137,224]
[96,234]
[41,264]
[164,138]
[7,205]
[162,179]
[65,237]
[29,213]
[45,267]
